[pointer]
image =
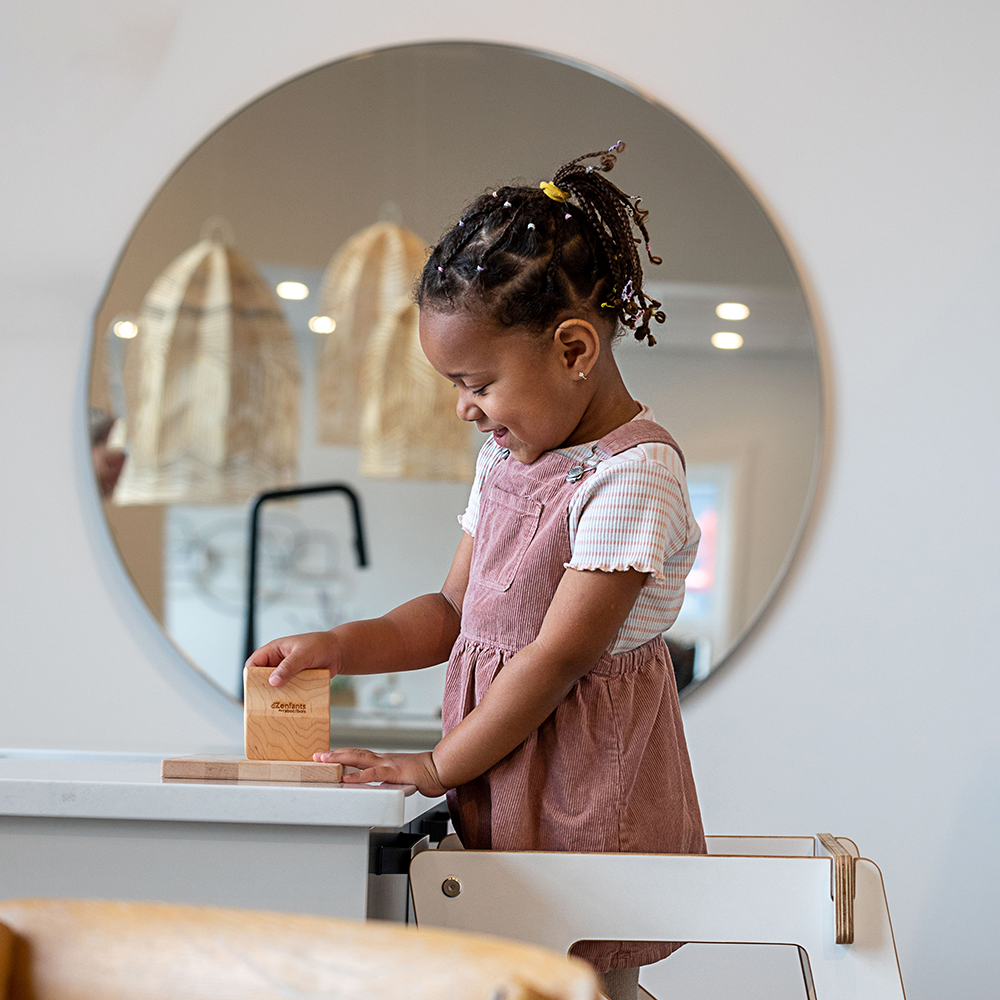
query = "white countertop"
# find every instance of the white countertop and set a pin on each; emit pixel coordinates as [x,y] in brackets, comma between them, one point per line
[94,785]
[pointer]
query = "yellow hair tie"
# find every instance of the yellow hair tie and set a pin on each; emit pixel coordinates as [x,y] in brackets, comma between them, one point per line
[555,193]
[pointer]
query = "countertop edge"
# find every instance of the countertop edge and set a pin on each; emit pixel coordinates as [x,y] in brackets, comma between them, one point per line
[181,800]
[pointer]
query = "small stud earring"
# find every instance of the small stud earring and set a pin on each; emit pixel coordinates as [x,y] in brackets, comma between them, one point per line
[584,377]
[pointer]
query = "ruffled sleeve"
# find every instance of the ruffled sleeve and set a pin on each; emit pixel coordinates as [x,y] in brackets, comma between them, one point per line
[634,513]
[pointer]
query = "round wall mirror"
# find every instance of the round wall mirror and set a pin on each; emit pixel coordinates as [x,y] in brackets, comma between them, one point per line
[255,336]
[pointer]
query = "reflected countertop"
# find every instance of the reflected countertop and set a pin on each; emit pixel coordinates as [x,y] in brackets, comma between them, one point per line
[128,786]
[388,729]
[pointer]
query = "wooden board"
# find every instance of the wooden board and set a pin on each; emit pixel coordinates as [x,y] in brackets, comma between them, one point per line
[287,723]
[223,768]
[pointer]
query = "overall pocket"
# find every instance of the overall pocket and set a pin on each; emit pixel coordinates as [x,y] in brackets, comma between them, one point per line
[507,524]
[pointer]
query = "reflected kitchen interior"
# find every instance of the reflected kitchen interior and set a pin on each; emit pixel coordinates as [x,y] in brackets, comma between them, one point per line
[400,139]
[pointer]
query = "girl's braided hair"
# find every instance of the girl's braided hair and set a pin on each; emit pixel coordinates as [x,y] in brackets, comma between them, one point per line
[529,253]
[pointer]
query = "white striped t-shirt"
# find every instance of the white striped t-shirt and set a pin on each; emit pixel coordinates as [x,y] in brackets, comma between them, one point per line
[632,513]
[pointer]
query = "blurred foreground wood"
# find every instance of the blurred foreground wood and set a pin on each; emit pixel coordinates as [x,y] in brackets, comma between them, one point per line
[58,949]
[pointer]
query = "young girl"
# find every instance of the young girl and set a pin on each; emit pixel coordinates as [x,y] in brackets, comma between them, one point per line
[561,723]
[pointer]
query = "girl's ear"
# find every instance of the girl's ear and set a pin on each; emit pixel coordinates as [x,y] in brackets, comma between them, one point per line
[579,345]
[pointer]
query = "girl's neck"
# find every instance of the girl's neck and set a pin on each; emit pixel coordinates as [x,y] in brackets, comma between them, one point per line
[610,406]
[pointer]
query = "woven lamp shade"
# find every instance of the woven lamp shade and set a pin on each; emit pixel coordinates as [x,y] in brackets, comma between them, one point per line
[375,387]
[212,386]
[409,428]
[363,282]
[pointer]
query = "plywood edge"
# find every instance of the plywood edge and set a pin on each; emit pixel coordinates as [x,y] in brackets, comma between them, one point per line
[842,886]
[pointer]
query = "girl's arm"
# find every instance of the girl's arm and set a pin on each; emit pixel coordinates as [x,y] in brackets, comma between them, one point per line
[417,634]
[586,613]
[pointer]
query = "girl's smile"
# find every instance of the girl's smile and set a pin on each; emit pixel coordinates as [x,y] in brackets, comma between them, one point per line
[513,383]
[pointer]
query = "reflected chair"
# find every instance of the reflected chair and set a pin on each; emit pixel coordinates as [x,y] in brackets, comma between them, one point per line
[59,949]
[813,892]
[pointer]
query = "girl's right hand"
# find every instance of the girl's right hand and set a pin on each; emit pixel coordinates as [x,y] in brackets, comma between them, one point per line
[294,653]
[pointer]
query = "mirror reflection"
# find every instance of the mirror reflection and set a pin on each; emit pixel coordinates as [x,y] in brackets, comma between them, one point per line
[258,334]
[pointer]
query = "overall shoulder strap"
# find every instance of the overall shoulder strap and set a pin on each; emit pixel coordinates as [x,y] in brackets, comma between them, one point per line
[637,432]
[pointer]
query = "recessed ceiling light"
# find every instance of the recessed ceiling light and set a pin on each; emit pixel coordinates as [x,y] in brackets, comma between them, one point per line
[292,290]
[726,340]
[322,324]
[125,329]
[731,310]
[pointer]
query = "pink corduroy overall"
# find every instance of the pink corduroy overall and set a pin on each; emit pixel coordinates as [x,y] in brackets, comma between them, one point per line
[608,770]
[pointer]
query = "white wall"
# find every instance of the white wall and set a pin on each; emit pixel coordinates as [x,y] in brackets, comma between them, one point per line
[866,702]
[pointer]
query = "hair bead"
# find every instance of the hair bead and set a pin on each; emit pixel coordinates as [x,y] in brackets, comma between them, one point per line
[531,225]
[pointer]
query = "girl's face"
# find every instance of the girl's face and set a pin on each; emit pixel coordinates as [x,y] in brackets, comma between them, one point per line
[515,384]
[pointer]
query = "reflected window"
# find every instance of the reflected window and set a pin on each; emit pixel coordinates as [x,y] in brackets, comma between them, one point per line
[703,622]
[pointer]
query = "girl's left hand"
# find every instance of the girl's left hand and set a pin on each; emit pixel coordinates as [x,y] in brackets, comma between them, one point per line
[395,768]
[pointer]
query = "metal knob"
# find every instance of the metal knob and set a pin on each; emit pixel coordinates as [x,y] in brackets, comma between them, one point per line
[575,474]
[451,887]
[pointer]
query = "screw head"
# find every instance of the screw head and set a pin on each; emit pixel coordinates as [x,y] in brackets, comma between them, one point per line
[451,887]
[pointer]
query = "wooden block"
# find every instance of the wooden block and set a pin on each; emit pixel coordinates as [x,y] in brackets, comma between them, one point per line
[287,723]
[223,768]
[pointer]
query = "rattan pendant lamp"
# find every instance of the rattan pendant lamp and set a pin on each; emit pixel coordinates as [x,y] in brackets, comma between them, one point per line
[212,384]
[375,387]
[409,428]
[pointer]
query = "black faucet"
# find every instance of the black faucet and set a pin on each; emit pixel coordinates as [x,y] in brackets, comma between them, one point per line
[293,491]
